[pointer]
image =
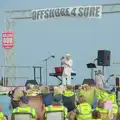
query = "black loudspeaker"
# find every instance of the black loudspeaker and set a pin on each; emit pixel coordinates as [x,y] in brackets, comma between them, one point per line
[89,81]
[103,58]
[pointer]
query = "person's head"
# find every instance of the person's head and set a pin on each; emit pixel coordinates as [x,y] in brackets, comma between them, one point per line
[62,87]
[77,87]
[36,87]
[82,99]
[100,104]
[45,89]
[17,94]
[28,86]
[69,87]
[68,56]
[57,99]
[96,114]
[31,86]
[51,88]
[24,100]
[85,86]
[100,72]
[57,90]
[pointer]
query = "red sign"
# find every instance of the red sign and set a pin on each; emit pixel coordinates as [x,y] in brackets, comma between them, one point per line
[7,40]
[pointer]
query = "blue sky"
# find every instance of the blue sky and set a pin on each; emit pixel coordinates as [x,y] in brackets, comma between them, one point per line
[82,38]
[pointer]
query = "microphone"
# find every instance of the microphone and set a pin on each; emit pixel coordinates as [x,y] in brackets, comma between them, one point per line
[62,58]
[53,56]
[111,75]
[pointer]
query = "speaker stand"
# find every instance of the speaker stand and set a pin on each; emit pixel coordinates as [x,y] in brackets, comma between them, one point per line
[103,69]
[92,73]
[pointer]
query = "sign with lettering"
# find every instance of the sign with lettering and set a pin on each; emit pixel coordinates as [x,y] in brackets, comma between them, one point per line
[78,11]
[7,39]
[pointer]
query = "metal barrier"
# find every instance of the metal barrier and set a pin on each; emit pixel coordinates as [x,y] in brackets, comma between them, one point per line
[23,73]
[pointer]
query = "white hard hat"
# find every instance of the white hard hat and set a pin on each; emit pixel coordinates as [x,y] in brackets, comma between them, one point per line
[68,54]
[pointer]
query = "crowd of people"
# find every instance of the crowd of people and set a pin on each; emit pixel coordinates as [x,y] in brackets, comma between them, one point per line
[80,102]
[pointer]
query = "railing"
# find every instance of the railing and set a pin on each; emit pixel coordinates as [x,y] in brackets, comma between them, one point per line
[23,73]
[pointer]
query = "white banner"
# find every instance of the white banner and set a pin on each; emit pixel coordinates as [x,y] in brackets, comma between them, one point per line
[78,11]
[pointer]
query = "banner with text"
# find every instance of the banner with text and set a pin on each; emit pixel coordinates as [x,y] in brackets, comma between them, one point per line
[8,39]
[78,11]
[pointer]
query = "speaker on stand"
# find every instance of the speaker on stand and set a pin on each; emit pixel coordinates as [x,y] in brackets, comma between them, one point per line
[103,58]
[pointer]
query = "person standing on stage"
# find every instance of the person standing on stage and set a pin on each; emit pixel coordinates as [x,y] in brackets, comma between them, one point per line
[99,79]
[67,64]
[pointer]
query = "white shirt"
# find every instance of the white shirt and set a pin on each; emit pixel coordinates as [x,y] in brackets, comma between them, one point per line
[67,69]
[99,79]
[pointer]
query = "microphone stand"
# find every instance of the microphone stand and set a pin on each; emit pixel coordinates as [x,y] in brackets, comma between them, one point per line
[92,70]
[61,69]
[46,66]
[108,79]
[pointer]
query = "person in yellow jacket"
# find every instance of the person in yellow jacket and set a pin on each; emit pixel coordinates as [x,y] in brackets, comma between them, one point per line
[112,97]
[32,93]
[57,90]
[115,110]
[89,92]
[69,91]
[24,108]
[83,110]
[96,115]
[103,95]
[103,112]
[56,106]
[2,117]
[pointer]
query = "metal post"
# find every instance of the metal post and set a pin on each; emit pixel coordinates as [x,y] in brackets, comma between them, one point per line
[3,76]
[46,72]
[34,72]
[40,75]
[103,70]
[46,60]
[92,72]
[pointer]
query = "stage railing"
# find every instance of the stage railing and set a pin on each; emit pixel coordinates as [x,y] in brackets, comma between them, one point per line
[23,73]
